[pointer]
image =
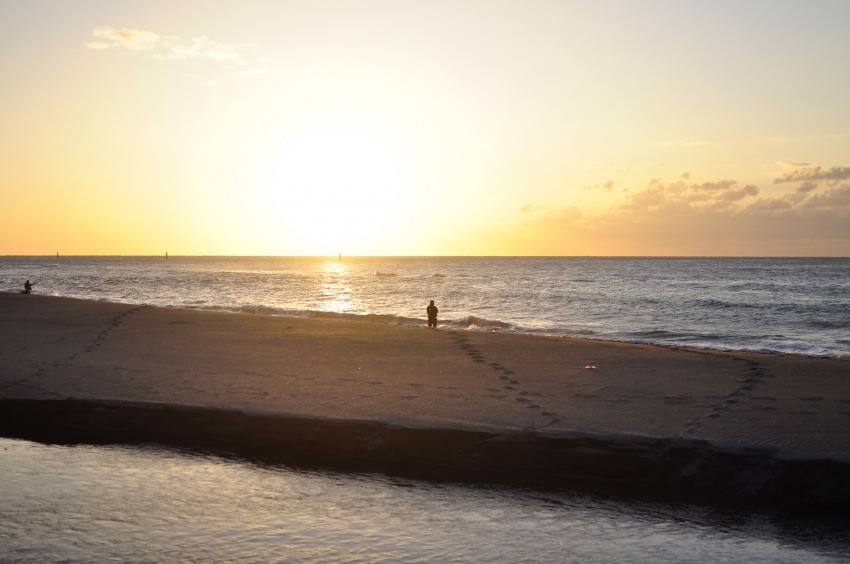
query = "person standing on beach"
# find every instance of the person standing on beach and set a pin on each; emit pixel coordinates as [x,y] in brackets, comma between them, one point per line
[432,314]
[28,287]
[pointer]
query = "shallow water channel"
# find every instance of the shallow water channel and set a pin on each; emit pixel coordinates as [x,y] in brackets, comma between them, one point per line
[107,503]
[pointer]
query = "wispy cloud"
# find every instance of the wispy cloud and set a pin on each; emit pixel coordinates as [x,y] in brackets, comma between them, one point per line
[169,47]
[531,207]
[605,186]
[175,48]
[133,39]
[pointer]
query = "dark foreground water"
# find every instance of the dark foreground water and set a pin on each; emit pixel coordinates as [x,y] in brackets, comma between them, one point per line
[86,503]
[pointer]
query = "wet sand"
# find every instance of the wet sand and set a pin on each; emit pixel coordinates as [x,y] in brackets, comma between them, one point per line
[449,404]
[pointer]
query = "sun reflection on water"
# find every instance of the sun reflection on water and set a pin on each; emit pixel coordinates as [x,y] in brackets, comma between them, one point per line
[335,287]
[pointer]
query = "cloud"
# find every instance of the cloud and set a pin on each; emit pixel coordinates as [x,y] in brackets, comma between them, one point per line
[806,187]
[812,173]
[198,47]
[717,186]
[605,186]
[837,198]
[165,48]
[716,194]
[530,207]
[740,194]
[718,217]
[133,39]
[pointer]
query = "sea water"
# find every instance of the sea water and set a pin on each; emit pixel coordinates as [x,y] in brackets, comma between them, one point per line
[786,305]
[117,504]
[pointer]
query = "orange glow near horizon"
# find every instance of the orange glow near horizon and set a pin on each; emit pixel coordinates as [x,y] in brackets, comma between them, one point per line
[387,128]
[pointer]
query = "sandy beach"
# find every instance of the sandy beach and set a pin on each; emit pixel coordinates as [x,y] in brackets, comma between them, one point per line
[398,398]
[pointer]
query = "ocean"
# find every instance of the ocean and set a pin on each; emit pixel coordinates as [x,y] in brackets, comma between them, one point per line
[780,305]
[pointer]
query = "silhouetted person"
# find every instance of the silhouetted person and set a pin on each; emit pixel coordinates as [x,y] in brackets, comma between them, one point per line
[432,314]
[28,287]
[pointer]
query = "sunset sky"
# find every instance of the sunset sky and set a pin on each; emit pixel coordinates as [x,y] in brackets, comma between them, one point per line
[399,127]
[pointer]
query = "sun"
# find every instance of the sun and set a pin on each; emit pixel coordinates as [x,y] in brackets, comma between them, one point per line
[341,184]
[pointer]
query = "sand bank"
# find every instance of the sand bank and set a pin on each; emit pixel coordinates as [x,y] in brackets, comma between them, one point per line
[435,403]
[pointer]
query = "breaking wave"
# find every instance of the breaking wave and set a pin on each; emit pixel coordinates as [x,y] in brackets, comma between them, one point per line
[480,323]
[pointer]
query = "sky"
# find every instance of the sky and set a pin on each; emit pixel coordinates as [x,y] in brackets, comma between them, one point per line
[470,127]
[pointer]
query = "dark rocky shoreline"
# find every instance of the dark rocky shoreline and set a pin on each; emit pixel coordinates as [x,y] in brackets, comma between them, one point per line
[623,464]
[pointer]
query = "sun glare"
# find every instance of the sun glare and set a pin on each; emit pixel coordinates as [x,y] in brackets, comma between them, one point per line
[340,185]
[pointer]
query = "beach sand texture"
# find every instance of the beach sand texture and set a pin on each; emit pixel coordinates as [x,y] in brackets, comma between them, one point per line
[786,407]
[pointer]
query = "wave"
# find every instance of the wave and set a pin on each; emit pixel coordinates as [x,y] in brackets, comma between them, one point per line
[763,343]
[720,304]
[387,319]
[480,323]
[469,322]
[829,324]
[385,274]
[769,344]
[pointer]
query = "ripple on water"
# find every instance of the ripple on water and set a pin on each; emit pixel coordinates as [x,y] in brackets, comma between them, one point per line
[87,503]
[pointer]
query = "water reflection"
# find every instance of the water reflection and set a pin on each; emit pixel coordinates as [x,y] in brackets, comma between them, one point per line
[96,503]
[335,287]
